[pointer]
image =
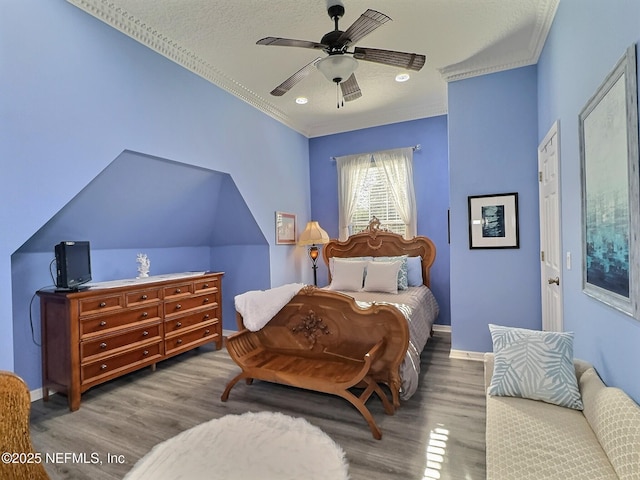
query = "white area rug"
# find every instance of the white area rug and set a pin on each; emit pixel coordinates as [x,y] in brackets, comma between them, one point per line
[264,445]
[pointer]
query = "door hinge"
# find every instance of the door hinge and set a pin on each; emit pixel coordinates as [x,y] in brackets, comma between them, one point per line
[540,176]
[542,255]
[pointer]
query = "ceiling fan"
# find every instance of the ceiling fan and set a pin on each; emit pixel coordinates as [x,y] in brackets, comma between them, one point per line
[340,64]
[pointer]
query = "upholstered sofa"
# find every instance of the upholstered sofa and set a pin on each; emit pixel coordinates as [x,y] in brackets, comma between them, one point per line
[532,439]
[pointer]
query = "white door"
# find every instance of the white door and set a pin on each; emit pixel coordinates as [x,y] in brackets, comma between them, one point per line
[550,248]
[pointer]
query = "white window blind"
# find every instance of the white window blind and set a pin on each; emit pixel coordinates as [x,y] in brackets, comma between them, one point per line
[374,199]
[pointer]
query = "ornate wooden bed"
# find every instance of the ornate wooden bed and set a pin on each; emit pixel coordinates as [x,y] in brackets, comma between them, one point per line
[325,340]
[375,242]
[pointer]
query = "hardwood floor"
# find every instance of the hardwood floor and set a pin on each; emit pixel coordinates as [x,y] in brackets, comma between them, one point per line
[437,434]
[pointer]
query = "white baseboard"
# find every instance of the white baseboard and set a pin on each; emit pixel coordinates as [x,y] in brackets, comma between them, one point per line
[459,354]
[36,394]
[442,328]
[226,333]
[465,355]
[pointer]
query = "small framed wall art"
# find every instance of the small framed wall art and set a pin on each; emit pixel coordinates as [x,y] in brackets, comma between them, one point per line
[493,221]
[285,228]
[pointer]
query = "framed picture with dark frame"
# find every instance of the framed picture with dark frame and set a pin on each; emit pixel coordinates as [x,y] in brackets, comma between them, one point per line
[493,221]
[285,228]
[608,129]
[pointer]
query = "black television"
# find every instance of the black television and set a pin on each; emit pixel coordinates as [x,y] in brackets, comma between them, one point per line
[73,265]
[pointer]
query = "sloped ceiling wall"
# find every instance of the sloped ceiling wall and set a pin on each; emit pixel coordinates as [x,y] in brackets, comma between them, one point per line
[142,201]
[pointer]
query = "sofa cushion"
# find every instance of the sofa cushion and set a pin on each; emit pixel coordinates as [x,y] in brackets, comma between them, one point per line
[615,419]
[535,365]
[533,440]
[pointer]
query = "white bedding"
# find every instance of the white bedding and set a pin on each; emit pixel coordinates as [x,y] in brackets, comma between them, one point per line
[420,308]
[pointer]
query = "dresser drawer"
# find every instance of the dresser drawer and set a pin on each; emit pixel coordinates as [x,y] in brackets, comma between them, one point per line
[206,285]
[102,304]
[110,323]
[178,289]
[192,338]
[113,343]
[142,297]
[184,322]
[130,359]
[182,305]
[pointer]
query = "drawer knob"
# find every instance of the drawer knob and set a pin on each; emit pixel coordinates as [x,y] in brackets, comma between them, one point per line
[103,366]
[103,345]
[143,297]
[179,341]
[206,285]
[103,323]
[145,314]
[178,307]
[178,324]
[145,333]
[206,300]
[206,332]
[206,316]
[103,304]
[178,290]
[145,353]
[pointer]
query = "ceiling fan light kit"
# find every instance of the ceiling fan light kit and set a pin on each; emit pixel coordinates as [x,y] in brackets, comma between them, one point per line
[337,68]
[340,64]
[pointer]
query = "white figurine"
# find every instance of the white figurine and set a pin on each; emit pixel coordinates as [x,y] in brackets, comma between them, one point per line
[145,263]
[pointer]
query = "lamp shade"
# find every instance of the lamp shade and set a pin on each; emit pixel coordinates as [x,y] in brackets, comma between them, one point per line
[313,234]
[337,68]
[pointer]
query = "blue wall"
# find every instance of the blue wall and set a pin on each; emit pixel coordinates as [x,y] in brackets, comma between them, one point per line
[493,149]
[76,94]
[588,37]
[430,171]
[174,212]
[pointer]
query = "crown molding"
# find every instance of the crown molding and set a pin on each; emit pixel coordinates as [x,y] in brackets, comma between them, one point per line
[474,68]
[464,70]
[121,20]
[118,18]
[368,120]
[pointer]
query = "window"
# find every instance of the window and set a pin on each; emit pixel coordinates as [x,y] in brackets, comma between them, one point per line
[375,199]
[377,184]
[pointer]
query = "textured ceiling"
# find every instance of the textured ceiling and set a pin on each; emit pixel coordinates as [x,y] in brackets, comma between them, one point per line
[217,40]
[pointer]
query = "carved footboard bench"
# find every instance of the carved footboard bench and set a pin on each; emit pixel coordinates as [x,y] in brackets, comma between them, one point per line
[323,341]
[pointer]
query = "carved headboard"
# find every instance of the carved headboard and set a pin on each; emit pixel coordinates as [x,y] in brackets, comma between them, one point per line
[375,242]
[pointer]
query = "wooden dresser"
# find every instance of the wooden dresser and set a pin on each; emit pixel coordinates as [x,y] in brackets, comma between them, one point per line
[94,335]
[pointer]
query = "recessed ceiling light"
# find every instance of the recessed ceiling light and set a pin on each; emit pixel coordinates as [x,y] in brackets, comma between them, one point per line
[301,100]
[402,77]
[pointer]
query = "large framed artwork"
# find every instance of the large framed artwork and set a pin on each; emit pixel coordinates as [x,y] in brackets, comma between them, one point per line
[608,127]
[493,221]
[285,228]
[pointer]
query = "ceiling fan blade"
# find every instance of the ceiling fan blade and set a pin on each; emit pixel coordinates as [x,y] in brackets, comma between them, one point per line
[285,86]
[289,42]
[350,88]
[410,61]
[364,25]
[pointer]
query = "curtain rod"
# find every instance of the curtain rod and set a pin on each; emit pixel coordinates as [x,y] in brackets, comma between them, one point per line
[414,147]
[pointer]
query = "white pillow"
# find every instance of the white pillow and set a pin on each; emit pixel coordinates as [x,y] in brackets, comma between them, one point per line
[414,271]
[403,282]
[347,275]
[382,277]
[346,259]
